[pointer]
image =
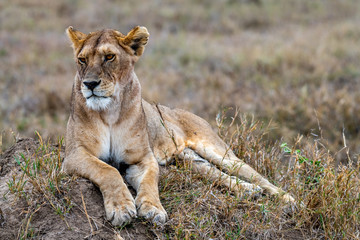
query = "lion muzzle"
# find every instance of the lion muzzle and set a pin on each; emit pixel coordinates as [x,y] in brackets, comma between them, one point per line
[91,84]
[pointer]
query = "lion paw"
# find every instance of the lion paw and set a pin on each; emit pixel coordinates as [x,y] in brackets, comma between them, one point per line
[150,211]
[291,206]
[288,198]
[244,189]
[120,211]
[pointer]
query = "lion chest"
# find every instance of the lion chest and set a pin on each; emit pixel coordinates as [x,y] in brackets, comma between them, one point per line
[113,145]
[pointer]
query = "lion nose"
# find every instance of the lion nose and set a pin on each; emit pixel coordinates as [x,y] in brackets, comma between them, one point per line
[91,84]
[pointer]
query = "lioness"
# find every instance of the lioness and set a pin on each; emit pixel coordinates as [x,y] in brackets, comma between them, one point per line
[111,125]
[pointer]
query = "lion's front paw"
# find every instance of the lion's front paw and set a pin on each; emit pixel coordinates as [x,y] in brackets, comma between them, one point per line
[120,209]
[155,212]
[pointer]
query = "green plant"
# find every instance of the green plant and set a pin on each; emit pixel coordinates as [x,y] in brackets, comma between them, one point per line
[315,167]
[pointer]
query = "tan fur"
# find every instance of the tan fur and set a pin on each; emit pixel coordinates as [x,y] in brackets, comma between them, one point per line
[112,125]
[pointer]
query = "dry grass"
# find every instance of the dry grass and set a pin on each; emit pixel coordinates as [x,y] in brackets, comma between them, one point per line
[328,199]
[40,183]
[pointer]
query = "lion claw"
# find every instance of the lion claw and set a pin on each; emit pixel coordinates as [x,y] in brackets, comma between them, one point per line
[120,212]
[157,215]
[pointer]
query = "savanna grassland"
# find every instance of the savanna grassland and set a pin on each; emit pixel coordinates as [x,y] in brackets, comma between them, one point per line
[279,80]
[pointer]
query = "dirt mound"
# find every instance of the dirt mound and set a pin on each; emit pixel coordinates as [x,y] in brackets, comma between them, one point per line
[27,217]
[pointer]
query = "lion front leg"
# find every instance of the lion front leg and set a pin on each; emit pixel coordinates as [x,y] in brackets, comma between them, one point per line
[144,176]
[118,201]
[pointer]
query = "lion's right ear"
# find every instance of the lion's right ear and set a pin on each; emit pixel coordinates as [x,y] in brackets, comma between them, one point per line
[76,37]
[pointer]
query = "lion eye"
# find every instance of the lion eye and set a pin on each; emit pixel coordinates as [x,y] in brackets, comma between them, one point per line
[109,57]
[82,60]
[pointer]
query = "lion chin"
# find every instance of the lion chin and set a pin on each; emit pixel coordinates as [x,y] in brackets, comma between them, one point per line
[98,103]
[97,99]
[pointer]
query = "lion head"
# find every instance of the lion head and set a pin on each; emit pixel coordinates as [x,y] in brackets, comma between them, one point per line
[104,61]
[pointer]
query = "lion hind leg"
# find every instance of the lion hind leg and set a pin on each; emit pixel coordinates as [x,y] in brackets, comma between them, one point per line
[201,166]
[220,155]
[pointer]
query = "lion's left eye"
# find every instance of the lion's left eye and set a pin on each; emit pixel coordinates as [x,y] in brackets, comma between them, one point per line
[109,57]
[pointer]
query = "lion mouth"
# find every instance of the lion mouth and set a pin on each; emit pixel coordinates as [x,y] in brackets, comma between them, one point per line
[95,96]
[98,103]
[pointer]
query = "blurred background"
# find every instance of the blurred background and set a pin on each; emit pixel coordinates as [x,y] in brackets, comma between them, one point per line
[293,64]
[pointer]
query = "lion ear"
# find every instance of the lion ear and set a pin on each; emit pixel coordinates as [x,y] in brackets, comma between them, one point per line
[134,42]
[76,37]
